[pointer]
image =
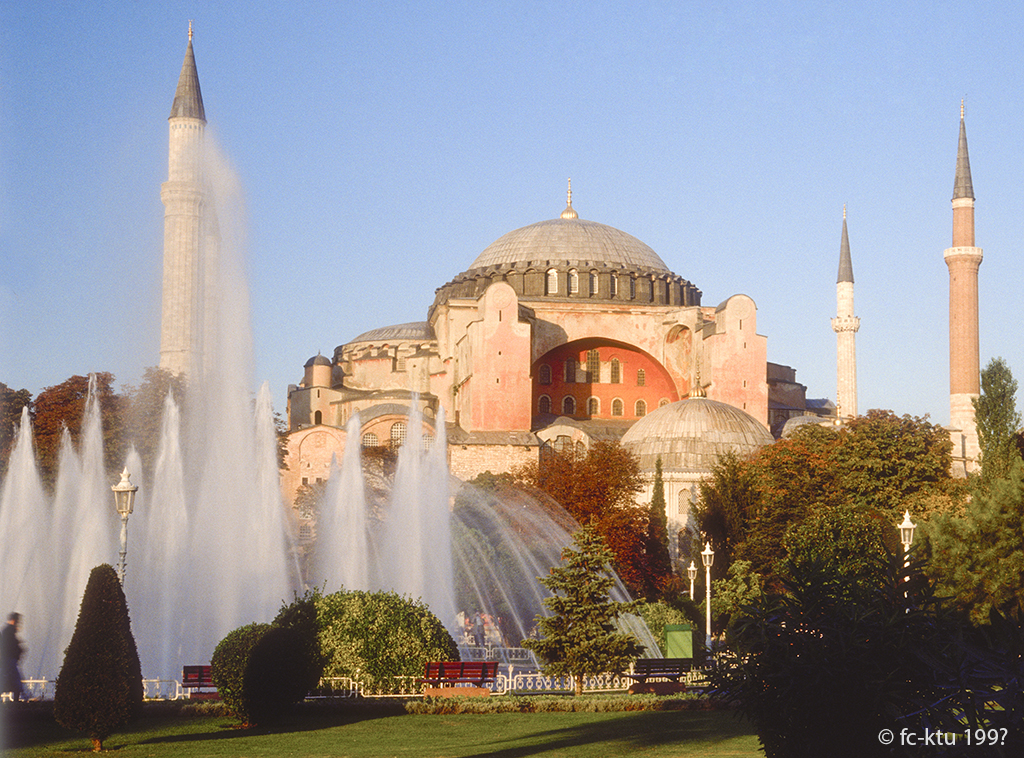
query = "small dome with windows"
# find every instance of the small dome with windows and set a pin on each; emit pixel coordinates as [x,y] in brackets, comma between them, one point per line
[693,434]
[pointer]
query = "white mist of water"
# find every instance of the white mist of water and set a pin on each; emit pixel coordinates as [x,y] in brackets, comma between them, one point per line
[342,557]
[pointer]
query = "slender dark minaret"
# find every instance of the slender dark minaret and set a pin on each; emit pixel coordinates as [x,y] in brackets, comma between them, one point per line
[845,325]
[963,260]
[182,323]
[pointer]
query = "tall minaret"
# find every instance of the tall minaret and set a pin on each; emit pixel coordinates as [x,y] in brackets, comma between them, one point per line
[183,195]
[963,260]
[845,325]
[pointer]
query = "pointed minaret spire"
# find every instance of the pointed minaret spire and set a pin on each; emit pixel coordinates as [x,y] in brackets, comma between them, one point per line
[569,212]
[845,325]
[963,260]
[845,264]
[962,186]
[188,99]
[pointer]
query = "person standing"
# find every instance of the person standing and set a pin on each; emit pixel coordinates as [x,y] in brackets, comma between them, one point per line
[10,653]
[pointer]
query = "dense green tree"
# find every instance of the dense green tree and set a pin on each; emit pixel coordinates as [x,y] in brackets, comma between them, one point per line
[659,564]
[740,587]
[997,420]
[375,636]
[824,666]
[580,637]
[728,499]
[978,557]
[99,688]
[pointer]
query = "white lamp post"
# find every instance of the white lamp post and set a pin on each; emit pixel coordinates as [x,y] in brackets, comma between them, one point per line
[907,538]
[124,501]
[692,573]
[907,532]
[708,556]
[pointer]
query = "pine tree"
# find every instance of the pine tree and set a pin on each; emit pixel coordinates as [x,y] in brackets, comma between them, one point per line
[997,420]
[659,564]
[580,638]
[99,688]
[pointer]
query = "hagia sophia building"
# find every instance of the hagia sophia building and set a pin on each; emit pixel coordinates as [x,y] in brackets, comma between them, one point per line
[556,335]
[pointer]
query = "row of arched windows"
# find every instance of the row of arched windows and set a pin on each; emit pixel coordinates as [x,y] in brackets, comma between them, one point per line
[593,406]
[551,283]
[571,370]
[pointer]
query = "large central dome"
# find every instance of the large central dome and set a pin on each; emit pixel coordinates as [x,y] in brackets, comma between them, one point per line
[570,239]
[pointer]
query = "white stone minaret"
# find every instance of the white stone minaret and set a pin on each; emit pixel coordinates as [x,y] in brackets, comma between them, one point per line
[845,325]
[183,195]
[963,260]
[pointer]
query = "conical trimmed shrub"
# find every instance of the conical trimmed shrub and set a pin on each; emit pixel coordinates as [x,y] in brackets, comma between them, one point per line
[99,688]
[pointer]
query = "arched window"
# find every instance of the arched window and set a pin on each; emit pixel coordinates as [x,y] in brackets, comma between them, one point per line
[563,443]
[641,377]
[617,407]
[632,288]
[574,282]
[663,402]
[318,417]
[593,406]
[544,404]
[684,502]
[370,440]
[545,374]
[616,371]
[571,364]
[551,287]
[641,408]
[397,433]
[614,285]
[593,366]
[569,405]
[581,450]
[593,283]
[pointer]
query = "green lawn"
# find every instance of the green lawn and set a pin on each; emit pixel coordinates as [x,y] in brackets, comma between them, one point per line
[359,732]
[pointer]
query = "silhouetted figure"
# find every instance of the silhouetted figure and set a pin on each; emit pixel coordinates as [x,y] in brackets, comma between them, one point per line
[478,629]
[10,653]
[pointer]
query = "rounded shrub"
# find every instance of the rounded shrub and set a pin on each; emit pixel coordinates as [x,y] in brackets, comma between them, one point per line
[259,670]
[374,636]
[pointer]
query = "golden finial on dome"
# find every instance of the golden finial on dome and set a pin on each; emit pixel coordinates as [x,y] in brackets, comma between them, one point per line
[569,212]
[698,389]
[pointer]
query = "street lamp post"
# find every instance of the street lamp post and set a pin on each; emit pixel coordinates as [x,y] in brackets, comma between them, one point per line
[124,501]
[692,573]
[708,556]
[907,538]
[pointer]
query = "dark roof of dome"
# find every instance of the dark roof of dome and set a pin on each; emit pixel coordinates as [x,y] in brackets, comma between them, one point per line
[415,330]
[693,434]
[318,360]
[569,239]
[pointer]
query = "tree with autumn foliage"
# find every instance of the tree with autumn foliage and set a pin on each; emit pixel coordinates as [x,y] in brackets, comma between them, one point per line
[879,464]
[63,405]
[599,488]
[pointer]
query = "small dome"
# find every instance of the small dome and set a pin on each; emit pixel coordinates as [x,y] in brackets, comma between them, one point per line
[694,434]
[570,239]
[792,424]
[317,360]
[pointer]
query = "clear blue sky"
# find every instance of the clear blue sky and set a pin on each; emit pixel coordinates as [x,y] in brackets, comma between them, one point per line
[382,146]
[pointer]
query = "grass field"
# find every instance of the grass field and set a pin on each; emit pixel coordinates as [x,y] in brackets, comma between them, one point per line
[364,732]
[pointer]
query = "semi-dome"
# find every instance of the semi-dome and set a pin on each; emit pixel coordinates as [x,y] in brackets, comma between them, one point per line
[570,239]
[694,434]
